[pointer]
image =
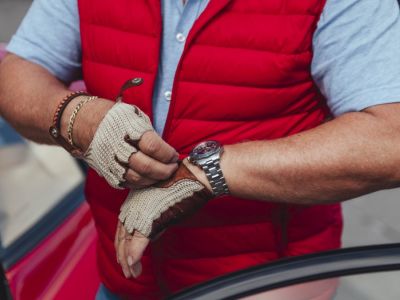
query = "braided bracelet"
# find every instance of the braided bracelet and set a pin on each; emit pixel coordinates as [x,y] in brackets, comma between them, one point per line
[55,128]
[73,117]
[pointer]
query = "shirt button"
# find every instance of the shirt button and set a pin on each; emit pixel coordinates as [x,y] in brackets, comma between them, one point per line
[168,95]
[180,37]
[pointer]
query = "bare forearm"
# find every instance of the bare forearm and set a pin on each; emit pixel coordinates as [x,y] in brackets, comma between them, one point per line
[347,157]
[29,95]
[350,156]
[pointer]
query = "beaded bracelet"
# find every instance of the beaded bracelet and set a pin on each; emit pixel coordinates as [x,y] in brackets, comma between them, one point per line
[55,128]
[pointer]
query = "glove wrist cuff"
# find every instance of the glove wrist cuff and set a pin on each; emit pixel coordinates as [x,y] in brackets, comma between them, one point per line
[152,210]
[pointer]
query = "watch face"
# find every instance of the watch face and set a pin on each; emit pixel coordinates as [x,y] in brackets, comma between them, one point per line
[205,149]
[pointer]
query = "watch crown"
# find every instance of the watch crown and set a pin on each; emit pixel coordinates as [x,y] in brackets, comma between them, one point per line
[207,155]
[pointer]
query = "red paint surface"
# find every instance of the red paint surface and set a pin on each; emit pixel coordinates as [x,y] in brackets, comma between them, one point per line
[63,266]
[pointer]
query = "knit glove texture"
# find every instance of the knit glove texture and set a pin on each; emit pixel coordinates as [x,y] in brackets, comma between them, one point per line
[115,141]
[153,209]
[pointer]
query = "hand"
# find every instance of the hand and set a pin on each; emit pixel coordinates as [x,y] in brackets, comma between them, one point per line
[156,160]
[146,213]
[129,249]
[123,147]
[87,120]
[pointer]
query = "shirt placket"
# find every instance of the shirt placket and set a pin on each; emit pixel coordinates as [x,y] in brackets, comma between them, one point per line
[172,48]
[189,13]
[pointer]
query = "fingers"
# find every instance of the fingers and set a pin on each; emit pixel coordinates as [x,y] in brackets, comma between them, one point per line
[136,270]
[154,146]
[121,251]
[136,181]
[134,248]
[129,249]
[148,167]
[117,239]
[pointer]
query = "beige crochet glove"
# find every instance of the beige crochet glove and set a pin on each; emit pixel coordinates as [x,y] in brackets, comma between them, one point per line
[114,141]
[153,209]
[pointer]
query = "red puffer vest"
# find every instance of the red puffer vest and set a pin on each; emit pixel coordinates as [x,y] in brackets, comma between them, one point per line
[244,75]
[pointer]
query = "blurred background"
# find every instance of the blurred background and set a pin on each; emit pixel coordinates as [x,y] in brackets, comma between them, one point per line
[32,185]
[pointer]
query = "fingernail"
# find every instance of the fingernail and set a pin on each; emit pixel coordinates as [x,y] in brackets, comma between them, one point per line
[136,270]
[130,261]
[126,273]
[176,158]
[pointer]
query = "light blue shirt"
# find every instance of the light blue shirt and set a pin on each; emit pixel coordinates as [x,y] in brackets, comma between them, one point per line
[356,62]
[177,22]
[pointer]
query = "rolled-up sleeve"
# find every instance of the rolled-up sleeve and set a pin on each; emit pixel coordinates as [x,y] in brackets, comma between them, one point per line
[356,61]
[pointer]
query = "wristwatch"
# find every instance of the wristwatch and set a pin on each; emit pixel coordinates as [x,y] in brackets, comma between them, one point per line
[207,156]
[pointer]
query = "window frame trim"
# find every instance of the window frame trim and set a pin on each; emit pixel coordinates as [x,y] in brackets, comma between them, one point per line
[291,271]
[30,239]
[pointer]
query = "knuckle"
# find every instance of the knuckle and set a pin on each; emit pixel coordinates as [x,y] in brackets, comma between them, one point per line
[145,167]
[132,160]
[133,177]
[152,144]
[165,173]
[172,155]
[171,169]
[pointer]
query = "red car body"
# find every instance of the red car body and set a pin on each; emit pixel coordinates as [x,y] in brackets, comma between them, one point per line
[62,265]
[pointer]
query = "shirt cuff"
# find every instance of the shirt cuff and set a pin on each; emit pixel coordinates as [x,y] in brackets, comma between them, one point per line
[366,99]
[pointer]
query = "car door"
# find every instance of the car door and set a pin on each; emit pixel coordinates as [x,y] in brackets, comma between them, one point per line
[47,234]
[359,273]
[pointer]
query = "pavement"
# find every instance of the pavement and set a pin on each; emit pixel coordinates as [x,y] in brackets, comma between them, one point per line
[11,14]
[371,219]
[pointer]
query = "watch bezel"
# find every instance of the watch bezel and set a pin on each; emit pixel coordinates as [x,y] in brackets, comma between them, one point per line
[196,156]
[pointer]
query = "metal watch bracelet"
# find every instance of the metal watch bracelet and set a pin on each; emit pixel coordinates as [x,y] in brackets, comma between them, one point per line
[215,177]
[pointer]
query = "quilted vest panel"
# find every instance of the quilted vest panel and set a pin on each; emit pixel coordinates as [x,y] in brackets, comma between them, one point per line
[244,75]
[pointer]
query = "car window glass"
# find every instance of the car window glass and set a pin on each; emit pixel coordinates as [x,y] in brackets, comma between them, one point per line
[34,178]
[372,219]
[373,286]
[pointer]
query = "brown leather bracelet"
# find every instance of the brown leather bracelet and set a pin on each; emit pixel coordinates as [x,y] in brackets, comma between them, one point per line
[55,128]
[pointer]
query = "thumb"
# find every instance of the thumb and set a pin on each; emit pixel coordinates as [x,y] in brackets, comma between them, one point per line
[134,249]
